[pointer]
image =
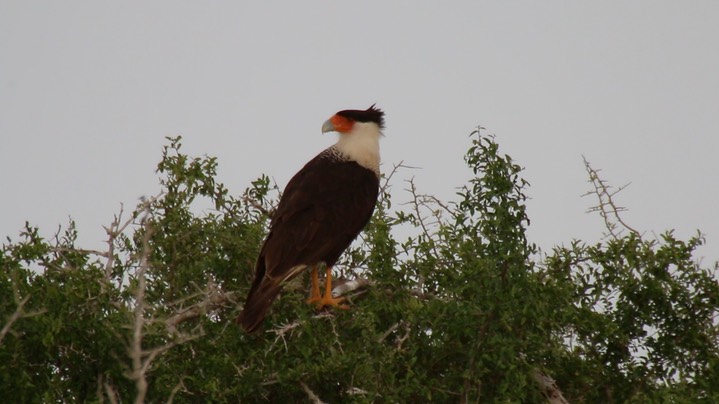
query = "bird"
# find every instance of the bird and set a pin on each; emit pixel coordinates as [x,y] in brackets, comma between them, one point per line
[322,210]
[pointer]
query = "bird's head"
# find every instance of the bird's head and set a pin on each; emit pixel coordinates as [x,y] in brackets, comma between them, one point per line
[348,120]
[359,131]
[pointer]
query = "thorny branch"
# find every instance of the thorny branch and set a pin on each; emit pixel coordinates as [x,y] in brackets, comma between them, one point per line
[280,334]
[417,210]
[214,299]
[429,202]
[607,209]
[395,167]
[116,228]
[253,202]
[422,201]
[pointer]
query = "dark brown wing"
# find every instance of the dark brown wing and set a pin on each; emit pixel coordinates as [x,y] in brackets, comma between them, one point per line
[323,208]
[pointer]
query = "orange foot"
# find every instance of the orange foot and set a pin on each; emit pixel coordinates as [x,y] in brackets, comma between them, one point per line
[327,299]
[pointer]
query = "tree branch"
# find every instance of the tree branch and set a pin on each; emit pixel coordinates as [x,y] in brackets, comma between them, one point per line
[606,207]
[19,313]
[350,286]
[252,202]
[549,388]
[139,362]
[388,177]
[311,395]
[213,300]
[113,231]
[111,393]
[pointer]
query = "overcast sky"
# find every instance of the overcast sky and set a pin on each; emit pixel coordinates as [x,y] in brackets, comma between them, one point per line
[89,90]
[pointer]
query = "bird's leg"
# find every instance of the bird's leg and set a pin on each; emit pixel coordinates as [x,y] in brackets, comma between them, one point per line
[315,291]
[327,299]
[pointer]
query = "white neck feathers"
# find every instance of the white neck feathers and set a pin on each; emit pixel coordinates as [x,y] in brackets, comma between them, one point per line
[361,144]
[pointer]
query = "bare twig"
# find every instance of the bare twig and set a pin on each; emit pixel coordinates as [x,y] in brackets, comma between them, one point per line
[214,300]
[311,395]
[427,199]
[416,207]
[17,314]
[417,203]
[388,177]
[356,391]
[549,388]
[280,332]
[388,332]
[176,389]
[117,228]
[283,330]
[607,208]
[251,201]
[405,337]
[399,340]
[270,381]
[79,250]
[111,393]
[113,231]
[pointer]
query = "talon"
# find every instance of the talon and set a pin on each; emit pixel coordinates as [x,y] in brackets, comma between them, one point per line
[327,299]
[331,301]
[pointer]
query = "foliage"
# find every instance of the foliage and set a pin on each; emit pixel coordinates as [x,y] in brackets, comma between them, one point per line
[458,305]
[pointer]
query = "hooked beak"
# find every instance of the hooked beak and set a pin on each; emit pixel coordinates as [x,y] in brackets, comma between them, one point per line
[328,126]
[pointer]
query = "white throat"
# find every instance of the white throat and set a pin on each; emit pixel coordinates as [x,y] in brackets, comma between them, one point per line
[361,145]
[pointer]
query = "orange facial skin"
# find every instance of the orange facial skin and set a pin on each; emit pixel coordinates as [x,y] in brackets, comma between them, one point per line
[341,123]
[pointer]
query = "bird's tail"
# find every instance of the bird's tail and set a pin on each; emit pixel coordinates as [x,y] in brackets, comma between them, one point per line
[258,303]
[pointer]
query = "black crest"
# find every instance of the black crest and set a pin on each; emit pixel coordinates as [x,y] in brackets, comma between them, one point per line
[371,114]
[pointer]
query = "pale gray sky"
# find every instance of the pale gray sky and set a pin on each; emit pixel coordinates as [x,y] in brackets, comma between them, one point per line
[89,90]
